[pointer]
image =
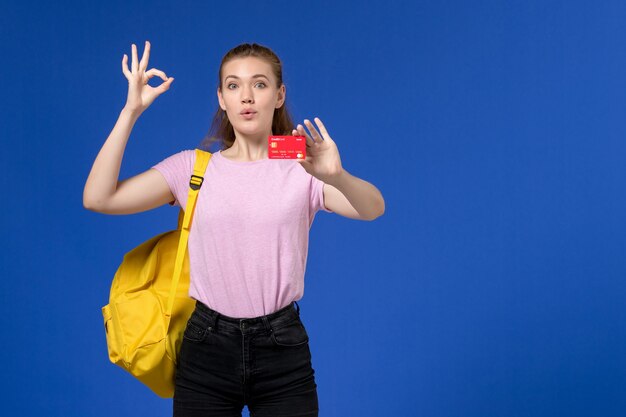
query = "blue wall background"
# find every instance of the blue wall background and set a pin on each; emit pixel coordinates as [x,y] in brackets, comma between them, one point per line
[492,286]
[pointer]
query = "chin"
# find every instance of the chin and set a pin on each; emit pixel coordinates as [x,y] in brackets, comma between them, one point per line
[250,129]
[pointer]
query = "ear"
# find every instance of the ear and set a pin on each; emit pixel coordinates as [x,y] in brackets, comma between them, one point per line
[220,99]
[282,95]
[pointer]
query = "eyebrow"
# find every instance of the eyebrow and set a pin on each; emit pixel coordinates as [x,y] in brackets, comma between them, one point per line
[254,76]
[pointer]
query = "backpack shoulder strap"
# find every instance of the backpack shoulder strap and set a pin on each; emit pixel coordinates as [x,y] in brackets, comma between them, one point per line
[195,183]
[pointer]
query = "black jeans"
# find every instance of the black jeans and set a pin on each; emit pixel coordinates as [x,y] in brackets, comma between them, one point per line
[262,362]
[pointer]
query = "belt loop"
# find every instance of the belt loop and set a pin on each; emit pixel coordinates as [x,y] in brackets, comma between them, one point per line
[208,312]
[212,315]
[214,324]
[298,307]
[266,323]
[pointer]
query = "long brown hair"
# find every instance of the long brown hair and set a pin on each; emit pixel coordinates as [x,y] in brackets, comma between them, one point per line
[221,129]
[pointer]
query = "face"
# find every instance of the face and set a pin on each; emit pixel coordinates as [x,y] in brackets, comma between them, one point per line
[249,83]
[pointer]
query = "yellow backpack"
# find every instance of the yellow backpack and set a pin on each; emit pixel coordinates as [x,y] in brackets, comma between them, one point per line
[149,305]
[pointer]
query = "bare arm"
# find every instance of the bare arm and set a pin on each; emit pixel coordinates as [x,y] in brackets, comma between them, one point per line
[103,191]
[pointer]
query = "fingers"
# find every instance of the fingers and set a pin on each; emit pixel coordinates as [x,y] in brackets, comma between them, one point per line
[295,132]
[134,65]
[322,128]
[125,70]
[167,81]
[314,134]
[137,66]
[153,72]
[166,85]
[146,56]
[302,132]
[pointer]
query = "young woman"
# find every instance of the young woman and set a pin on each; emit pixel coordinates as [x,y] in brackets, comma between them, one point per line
[245,343]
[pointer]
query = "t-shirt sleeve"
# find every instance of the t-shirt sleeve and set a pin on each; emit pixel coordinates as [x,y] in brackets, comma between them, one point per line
[177,170]
[317,195]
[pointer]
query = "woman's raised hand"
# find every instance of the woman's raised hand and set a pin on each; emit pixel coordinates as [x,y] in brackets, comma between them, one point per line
[140,94]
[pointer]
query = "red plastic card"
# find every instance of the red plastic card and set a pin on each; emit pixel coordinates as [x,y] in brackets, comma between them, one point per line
[286,147]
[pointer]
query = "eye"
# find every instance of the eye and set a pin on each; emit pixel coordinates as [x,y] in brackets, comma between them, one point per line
[230,85]
[262,83]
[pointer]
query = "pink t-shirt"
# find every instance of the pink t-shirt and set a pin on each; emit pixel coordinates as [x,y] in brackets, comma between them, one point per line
[248,242]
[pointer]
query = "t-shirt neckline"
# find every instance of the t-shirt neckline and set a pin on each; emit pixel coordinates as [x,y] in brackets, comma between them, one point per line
[230,161]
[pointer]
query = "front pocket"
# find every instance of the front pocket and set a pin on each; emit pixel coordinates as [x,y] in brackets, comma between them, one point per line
[194,332]
[113,344]
[290,335]
[139,318]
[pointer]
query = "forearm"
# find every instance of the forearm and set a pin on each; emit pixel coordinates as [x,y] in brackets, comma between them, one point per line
[103,178]
[363,196]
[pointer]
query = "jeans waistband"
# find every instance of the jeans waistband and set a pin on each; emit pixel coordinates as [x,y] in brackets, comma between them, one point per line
[216,319]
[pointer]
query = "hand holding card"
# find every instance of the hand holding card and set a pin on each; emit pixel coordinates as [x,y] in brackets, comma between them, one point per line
[322,158]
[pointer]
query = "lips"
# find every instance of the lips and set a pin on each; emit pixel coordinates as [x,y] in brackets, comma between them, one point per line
[247,111]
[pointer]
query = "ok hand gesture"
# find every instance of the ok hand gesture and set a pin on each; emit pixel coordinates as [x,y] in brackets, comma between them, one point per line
[140,94]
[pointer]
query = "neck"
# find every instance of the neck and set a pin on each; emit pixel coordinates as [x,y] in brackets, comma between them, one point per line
[249,148]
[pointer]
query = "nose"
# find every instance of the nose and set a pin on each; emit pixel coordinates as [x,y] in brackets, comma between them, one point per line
[246,95]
